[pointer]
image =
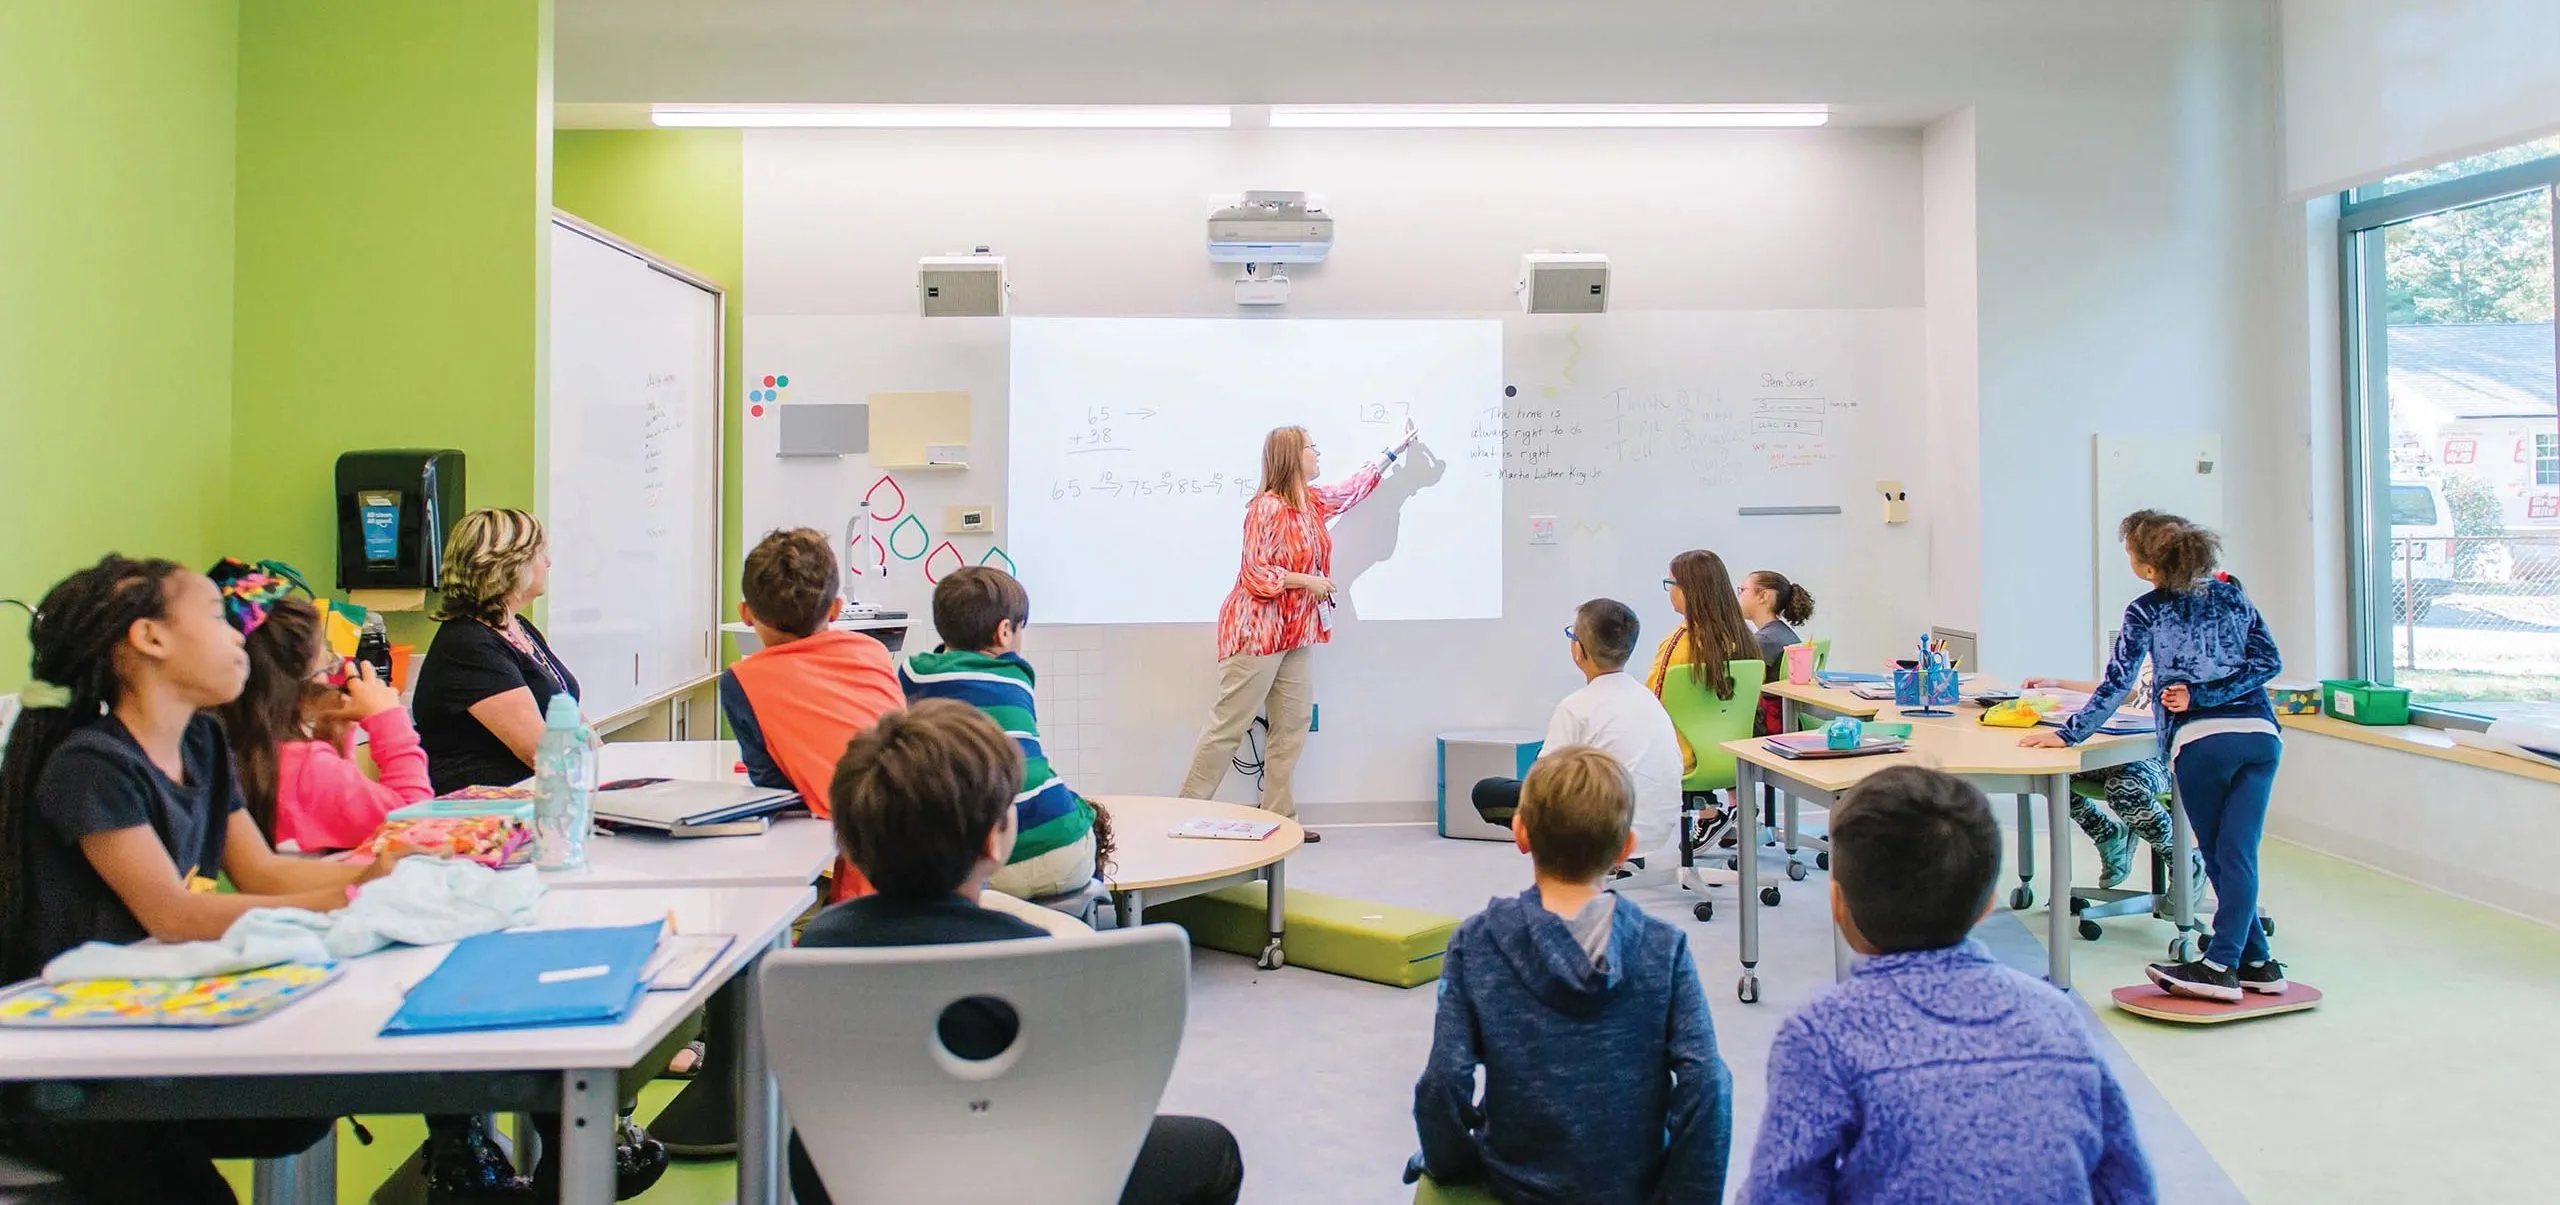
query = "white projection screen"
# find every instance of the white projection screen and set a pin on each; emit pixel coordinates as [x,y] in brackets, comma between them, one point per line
[1134,445]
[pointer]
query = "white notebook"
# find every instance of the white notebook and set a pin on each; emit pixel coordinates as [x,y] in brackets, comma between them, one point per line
[1226,830]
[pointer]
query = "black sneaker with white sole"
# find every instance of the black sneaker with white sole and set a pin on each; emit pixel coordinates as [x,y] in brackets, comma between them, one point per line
[2266,978]
[2197,979]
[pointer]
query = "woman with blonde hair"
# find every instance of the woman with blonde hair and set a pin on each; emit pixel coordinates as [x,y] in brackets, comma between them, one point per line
[489,674]
[1280,609]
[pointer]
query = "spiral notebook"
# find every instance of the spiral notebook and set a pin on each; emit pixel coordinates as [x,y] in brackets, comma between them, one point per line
[208,1002]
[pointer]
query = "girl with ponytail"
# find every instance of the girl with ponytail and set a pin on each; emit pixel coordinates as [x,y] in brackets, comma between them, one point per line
[1773,606]
[118,809]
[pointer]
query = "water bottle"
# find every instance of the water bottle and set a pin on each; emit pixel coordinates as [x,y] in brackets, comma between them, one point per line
[373,646]
[564,787]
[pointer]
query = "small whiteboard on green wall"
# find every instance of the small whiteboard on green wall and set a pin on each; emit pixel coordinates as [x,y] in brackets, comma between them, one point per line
[632,495]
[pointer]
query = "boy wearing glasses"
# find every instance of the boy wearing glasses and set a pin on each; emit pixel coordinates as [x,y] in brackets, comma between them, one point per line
[1615,714]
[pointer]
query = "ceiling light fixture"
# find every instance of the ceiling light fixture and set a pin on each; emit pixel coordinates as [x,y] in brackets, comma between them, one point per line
[946,117]
[1559,117]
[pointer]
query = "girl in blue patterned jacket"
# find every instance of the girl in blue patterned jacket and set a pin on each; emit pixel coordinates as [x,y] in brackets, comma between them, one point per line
[2211,660]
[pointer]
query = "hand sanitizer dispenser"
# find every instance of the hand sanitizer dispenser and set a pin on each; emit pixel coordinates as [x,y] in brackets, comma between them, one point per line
[395,508]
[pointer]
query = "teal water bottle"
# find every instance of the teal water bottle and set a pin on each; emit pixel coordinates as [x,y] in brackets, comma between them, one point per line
[564,786]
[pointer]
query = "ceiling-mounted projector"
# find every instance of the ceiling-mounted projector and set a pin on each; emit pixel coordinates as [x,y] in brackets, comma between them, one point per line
[1269,228]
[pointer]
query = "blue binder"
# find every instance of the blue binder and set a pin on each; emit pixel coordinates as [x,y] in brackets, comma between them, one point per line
[529,979]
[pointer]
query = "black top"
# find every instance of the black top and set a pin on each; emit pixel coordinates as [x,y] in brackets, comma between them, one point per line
[100,781]
[470,661]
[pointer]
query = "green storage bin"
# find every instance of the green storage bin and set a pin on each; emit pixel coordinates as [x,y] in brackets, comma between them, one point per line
[2360,702]
[1382,943]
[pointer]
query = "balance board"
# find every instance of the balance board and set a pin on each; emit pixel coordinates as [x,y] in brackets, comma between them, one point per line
[1382,943]
[2147,1000]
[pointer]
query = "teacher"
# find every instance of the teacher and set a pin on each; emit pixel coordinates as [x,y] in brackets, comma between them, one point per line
[1280,608]
[489,676]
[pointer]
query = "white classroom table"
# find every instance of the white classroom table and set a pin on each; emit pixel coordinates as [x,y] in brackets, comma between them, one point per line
[325,1057]
[791,853]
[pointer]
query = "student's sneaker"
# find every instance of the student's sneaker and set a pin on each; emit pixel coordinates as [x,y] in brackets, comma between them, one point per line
[2115,854]
[2265,978]
[2195,978]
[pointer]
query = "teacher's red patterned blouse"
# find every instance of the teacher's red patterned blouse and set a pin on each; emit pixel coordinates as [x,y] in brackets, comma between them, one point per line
[1260,616]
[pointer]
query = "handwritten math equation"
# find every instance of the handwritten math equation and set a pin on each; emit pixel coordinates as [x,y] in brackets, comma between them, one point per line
[1167,484]
[1101,431]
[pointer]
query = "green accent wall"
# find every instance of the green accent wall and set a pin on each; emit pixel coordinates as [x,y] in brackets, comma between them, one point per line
[393,249]
[678,193]
[115,287]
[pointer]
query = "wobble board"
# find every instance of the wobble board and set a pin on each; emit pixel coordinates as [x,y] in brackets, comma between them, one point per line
[2147,1000]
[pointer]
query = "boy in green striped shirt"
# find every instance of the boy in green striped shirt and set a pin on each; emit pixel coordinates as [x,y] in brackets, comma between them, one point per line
[979,613]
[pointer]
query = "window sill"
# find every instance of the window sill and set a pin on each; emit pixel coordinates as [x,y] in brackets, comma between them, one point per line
[2424,742]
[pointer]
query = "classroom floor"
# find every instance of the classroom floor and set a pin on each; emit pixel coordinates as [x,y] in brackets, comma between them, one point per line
[2429,1059]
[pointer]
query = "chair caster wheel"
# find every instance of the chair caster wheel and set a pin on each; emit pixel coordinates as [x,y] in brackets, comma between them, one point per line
[2184,948]
[1748,989]
[1272,958]
[1769,896]
[1705,911]
[1822,861]
[1795,872]
[2022,898]
[2089,930]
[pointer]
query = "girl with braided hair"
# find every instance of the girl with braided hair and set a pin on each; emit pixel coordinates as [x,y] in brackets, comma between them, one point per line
[118,807]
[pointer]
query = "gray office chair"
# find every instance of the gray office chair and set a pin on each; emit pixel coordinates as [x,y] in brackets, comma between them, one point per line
[886,1111]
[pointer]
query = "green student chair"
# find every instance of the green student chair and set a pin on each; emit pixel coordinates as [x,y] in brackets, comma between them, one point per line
[1707,722]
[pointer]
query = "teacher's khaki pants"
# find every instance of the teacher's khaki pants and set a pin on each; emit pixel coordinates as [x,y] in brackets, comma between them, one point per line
[1282,687]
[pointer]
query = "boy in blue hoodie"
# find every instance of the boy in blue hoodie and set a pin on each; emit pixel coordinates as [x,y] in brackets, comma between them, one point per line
[1935,1073]
[1602,1085]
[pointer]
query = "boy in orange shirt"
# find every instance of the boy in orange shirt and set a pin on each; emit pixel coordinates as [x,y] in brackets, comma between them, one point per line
[796,703]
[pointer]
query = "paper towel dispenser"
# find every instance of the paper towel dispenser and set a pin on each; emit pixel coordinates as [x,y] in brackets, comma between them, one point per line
[395,508]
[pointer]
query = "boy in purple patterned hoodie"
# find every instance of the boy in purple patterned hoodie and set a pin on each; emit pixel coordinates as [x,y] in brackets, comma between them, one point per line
[1935,1074]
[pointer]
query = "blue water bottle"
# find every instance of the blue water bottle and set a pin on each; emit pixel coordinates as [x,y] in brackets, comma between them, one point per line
[564,787]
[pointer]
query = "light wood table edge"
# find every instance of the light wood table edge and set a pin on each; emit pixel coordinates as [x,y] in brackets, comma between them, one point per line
[1282,842]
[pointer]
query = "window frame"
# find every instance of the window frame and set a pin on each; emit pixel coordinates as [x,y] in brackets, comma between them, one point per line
[2363,293]
[2546,458]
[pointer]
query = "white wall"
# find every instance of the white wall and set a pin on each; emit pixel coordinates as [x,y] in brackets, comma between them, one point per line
[1112,222]
[2374,87]
[1951,507]
[2473,832]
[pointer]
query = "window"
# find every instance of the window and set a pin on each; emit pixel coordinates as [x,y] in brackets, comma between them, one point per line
[2448,283]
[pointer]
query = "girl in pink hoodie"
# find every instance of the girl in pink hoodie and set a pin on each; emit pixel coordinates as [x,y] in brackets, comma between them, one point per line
[290,728]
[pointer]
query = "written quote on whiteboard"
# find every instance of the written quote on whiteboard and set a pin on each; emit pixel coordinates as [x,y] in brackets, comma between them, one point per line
[1135,445]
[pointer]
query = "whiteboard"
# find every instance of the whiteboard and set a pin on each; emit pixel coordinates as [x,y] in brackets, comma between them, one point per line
[2180,474]
[1132,432]
[1639,434]
[633,460]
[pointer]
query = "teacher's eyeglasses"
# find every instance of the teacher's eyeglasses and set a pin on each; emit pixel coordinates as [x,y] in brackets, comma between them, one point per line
[1666,585]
